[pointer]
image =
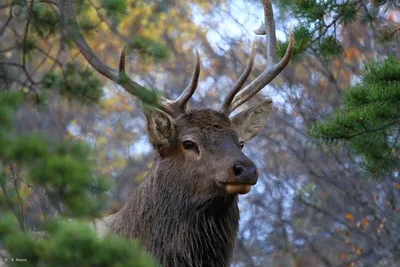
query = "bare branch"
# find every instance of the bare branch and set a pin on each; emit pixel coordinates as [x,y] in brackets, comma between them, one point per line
[10,16]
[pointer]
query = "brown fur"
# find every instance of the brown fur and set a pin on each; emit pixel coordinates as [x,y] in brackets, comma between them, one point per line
[179,213]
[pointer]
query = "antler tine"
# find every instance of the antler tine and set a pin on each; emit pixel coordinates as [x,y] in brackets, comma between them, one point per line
[72,30]
[265,78]
[180,104]
[122,62]
[240,82]
[273,68]
[270,35]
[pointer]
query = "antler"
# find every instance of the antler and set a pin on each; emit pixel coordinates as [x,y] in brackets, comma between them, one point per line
[237,97]
[174,108]
[179,106]
[238,85]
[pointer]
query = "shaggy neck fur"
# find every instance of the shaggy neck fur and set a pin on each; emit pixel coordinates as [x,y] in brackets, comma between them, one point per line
[177,227]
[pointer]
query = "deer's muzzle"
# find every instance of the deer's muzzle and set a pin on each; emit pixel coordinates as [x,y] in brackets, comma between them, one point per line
[245,175]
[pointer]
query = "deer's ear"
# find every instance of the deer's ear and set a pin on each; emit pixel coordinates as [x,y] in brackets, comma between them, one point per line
[162,129]
[250,122]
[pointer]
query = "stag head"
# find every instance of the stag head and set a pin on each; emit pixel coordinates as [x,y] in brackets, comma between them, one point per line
[204,143]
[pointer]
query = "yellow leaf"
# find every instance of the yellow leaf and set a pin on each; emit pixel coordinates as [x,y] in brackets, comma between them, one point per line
[349,216]
[108,130]
[25,191]
[149,164]
[101,141]
[366,223]
[110,103]
[342,256]
[141,176]
[128,107]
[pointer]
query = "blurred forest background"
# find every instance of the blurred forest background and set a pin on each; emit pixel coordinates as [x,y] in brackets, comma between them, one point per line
[313,205]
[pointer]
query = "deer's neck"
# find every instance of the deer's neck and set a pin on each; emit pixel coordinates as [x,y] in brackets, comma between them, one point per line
[176,228]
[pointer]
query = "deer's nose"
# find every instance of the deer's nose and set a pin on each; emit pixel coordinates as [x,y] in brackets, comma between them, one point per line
[245,172]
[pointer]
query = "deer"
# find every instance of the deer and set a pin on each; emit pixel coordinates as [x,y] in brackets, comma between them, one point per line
[185,212]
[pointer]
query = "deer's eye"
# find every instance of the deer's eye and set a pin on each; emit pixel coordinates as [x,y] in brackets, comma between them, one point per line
[189,145]
[241,144]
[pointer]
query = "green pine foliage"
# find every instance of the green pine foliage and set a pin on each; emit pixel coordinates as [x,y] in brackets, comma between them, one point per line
[320,22]
[44,19]
[303,41]
[148,48]
[369,121]
[75,82]
[65,170]
[69,243]
[330,47]
[389,34]
[115,7]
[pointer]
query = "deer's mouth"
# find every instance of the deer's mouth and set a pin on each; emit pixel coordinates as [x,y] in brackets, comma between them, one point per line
[236,188]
